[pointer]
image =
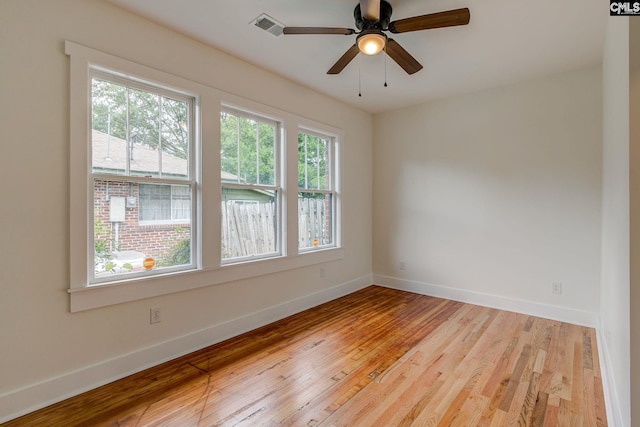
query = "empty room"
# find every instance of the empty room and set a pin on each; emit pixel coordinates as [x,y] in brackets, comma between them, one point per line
[340,212]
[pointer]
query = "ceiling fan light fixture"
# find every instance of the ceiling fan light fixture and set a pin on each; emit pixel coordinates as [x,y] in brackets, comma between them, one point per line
[371,43]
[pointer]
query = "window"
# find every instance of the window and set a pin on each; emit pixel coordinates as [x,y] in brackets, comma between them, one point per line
[249,185]
[164,203]
[208,202]
[140,166]
[316,191]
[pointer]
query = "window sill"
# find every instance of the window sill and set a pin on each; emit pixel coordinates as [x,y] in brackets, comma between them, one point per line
[96,296]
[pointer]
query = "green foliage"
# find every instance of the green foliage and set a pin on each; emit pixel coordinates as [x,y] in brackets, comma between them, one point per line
[248,153]
[101,245]
[247,149]
[153,120]
[111,266]
[312,162]
[179,254]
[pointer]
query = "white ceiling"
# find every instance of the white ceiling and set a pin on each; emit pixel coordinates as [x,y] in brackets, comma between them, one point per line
[506,41]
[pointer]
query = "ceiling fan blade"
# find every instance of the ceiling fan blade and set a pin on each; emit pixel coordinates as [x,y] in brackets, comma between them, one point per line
[344,60]
[318,30]
[402,57]
[448,18]
[370,9]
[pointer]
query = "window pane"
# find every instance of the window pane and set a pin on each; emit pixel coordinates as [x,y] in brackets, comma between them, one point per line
[313,162]
[314,220]
[164,202]
[248,222]
[180,202]
[247,151]
[155,202]
[174,139]
[109,127]
[122,244]
[267,156]
[229,147]
[143,133]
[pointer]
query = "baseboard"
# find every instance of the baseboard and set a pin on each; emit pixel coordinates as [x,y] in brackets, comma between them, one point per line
[563,314]
[36,396]
[612,402]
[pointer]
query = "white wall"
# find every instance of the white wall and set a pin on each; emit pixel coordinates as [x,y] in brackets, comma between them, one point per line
[634,215]
[45,351]
[493,196]
[614,299]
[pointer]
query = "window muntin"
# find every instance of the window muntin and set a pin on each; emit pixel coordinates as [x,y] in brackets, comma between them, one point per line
[251,219]
[141,171]
[316,191]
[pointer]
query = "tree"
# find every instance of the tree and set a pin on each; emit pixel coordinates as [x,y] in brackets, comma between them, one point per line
[312,162]
[141,117]
[247,149]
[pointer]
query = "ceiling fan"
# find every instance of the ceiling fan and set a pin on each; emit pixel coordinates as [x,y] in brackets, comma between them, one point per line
[372,17]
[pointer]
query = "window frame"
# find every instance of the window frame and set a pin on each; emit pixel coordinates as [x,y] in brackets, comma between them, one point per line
[330,191]
[191,180]
[277,187]
[209,270]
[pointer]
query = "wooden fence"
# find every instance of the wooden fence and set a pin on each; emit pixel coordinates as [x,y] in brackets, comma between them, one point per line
[314,222]
[249,228]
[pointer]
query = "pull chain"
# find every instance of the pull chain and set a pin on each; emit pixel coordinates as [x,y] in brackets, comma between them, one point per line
[385,64]
[359,78]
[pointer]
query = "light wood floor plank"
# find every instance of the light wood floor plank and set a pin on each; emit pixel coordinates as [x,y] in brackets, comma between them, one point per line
[377,357]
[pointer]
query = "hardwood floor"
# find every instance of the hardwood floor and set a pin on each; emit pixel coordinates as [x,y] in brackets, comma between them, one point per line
[378,357]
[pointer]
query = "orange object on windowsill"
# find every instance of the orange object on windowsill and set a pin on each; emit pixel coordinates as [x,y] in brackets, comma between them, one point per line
[148,263]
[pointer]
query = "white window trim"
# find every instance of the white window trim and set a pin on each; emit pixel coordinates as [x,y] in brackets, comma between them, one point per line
[167,88]
[209,269]
[333,184]
[276,187]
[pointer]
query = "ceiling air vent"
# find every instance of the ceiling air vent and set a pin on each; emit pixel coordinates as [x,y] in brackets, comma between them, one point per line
[269,24]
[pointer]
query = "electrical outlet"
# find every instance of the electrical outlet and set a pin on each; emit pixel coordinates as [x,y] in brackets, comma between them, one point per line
[556,287]
[401,265]
[322,272]
[155,315]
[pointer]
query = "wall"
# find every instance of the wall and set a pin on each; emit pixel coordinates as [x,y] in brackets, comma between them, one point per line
[634,215]
[48,353]
[492,197]
[614,298]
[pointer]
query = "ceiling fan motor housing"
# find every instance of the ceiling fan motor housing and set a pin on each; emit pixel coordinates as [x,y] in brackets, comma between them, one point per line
[381,24]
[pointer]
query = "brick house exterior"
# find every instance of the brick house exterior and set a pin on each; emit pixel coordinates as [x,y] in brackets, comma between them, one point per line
[118,233]
[153,240]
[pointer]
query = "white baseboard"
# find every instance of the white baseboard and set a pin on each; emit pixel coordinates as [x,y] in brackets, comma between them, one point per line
[36,396]
[563,314]
[612,402]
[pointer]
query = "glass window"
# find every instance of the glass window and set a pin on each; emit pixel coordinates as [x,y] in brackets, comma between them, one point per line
[316,191]
[138,207]
[140,151]
[168,203]
[250,190]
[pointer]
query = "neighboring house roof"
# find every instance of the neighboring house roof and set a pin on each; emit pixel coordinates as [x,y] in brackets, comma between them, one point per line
[109,154]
